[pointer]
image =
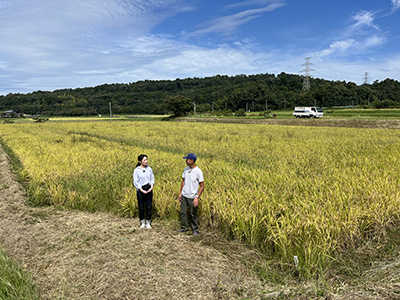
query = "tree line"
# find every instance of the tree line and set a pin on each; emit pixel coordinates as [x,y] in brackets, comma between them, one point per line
[250,92]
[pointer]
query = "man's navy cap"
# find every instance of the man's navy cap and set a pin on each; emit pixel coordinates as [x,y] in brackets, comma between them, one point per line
[191,156]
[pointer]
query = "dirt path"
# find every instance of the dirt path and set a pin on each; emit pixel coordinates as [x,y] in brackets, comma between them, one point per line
[77,255]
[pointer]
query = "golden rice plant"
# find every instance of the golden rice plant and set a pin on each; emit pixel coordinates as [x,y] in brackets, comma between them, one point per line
[290,191]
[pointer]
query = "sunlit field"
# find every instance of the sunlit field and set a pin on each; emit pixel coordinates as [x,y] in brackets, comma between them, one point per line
[289,191]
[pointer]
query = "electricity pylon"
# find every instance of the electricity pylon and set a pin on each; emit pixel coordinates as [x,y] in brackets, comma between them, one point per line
[307,70]
[366,78]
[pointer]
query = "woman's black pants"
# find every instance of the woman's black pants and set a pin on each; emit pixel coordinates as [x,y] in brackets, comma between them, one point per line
[144,203]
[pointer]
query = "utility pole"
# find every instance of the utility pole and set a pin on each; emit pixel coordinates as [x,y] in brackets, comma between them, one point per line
[366,82]
[194,107]
[266,104]
[355,99]
[307,70]
[109,103]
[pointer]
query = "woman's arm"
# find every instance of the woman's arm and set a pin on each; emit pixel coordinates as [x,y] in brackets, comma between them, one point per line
[136,179]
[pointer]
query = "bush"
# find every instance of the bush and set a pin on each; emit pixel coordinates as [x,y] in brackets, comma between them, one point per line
[240,113]
[8,121]
[265,114]
[227,113]
[206,107]
[383,104]
[40,119]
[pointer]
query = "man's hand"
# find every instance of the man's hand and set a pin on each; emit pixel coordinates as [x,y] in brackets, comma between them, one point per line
[196,201]
[179,197]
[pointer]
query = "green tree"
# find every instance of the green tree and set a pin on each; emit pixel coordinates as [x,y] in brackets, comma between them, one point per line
[177,105]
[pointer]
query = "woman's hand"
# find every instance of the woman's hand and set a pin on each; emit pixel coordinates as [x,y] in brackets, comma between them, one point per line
[143,191]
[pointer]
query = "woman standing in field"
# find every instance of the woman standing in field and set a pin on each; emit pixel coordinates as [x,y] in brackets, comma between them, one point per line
[143,180]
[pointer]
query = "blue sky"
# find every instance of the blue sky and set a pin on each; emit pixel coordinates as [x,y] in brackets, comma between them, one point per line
[54,44]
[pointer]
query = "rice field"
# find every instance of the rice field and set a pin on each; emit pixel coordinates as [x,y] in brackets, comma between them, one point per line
[289,191]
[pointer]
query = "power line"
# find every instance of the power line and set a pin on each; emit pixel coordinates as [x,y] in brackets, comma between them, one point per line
[323,76]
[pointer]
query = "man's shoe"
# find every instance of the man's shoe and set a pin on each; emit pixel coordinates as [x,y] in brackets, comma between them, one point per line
[182,230]
[195,233]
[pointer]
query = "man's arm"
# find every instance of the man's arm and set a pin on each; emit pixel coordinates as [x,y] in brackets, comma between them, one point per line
[201,189]
[180,192]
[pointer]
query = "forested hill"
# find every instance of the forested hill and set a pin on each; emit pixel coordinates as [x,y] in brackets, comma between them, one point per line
[254,92]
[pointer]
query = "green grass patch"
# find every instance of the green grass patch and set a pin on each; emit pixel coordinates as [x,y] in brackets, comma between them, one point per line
[359,113]
[14,282]
[329,113]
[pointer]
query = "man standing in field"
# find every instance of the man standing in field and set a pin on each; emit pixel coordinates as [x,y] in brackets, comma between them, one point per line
[190,193]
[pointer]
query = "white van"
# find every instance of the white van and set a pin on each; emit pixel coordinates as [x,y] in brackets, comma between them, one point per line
[308,112]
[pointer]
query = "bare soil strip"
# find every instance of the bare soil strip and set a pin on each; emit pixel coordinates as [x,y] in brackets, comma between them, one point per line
[77,255]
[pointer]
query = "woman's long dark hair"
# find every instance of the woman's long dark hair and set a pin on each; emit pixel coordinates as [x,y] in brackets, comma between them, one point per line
[140,158]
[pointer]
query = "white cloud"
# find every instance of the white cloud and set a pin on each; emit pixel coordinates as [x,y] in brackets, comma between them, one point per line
[3,65]
[378,69]
[228,24]
[253,2]
[363,19]
[205,62]
[245,41]
[360,36]
[49,44]
[350,46]
[337,47]
[395,4]
[374,40]
[59,39]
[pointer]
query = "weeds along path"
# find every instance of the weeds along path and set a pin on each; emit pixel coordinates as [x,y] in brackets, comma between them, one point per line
[77,255]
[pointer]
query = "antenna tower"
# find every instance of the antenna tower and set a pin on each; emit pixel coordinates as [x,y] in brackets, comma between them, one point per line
[307,70]
[366,78]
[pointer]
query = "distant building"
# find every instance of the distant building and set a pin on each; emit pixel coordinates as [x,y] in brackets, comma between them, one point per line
[9,114]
